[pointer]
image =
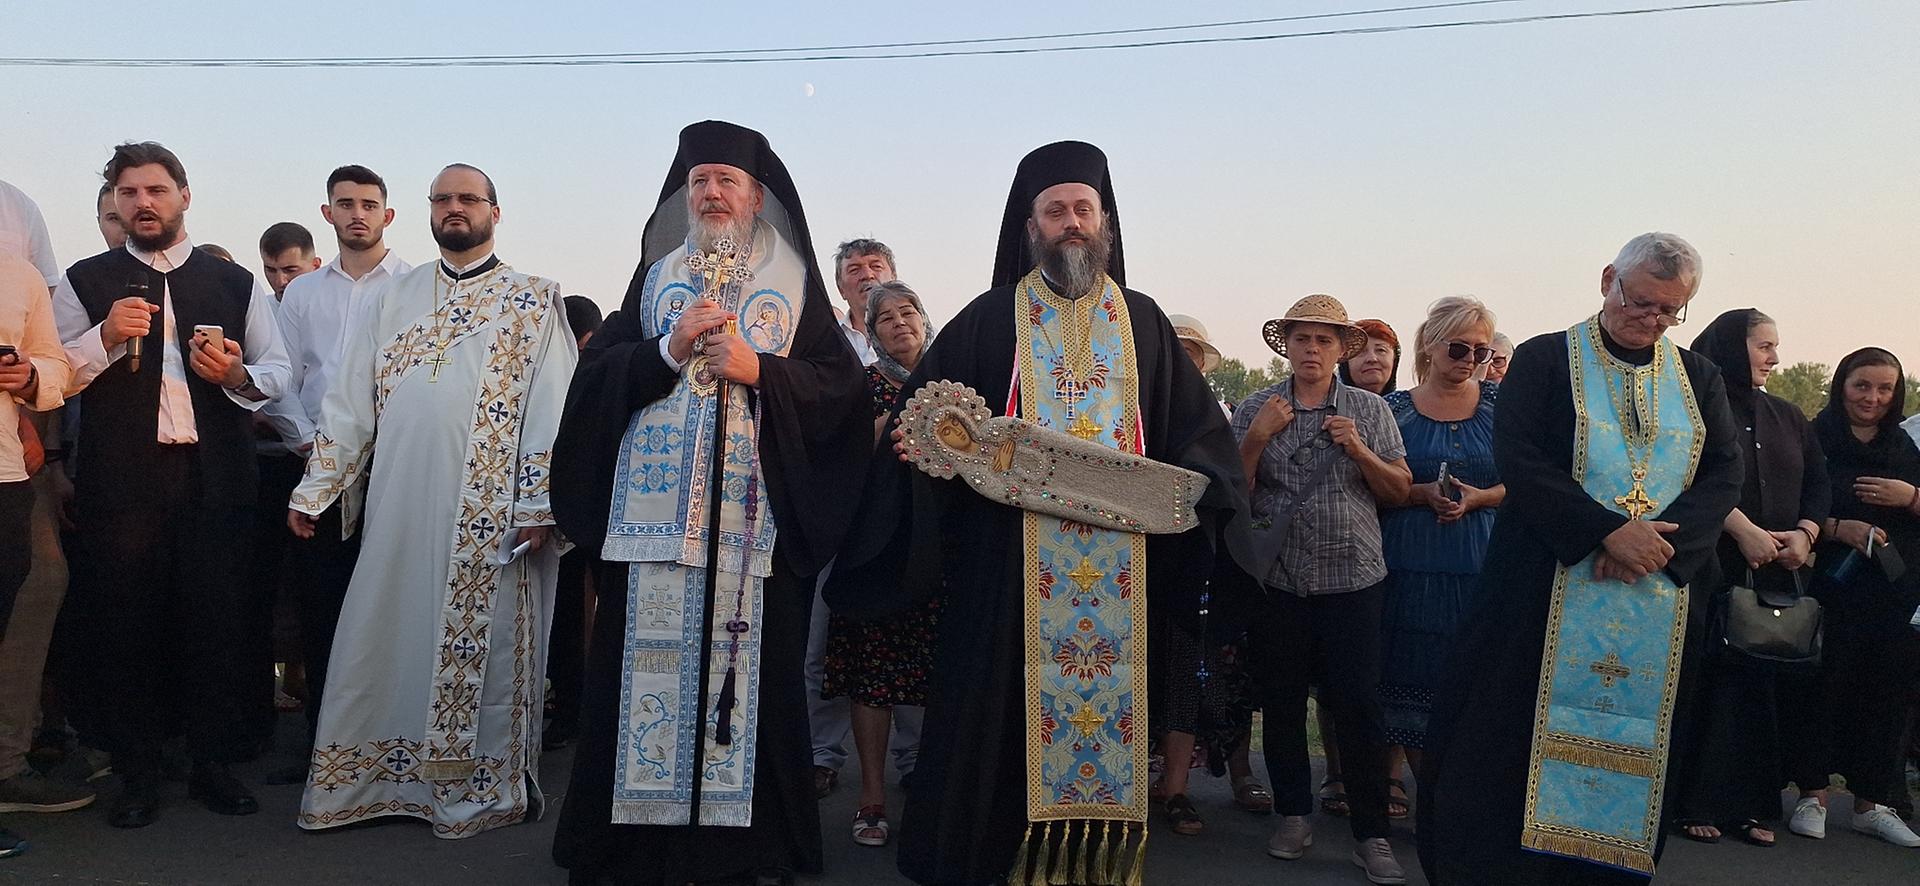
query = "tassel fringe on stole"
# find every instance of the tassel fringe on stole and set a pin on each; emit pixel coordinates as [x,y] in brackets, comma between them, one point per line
[1100,860]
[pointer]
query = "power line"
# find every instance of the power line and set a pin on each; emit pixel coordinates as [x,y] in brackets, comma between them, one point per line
[751,56]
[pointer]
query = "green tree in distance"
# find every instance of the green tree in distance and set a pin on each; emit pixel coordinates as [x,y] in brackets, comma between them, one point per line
[1232,381]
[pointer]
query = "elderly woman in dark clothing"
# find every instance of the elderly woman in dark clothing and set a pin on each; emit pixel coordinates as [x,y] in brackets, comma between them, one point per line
[1377,367]
[1871,654]
[1734,779]
[883,662]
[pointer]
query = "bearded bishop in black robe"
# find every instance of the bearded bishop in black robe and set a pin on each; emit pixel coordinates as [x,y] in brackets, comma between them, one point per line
[687,773]
[982,807]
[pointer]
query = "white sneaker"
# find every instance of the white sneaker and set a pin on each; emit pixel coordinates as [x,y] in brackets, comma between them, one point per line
[1375,856]
[1886,824]
[1809,819]
[1291,839]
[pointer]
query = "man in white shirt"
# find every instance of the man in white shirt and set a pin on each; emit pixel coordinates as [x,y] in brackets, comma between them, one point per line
[286,252]
[24,233]
[858,264]
[314,312]
[172,351]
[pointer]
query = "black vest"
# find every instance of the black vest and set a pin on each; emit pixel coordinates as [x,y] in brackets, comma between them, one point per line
[120,410]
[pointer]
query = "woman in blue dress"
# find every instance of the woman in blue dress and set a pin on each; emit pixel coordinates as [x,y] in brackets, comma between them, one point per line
[1436,540]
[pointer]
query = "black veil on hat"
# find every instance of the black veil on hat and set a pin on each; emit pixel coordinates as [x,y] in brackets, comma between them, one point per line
[1055,164]
[714,141]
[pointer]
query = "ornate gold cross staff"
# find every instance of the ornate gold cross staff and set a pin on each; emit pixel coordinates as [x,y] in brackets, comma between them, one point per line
[718,267]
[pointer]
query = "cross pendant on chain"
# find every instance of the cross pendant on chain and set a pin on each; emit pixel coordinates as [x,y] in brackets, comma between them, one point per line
[436,361]
[1636,501]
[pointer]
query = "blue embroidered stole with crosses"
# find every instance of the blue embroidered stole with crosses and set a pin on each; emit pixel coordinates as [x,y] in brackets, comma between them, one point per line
[1086,610]
[659,524]
[1612,658]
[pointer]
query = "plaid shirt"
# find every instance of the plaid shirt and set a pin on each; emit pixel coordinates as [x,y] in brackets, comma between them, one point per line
[1333,544]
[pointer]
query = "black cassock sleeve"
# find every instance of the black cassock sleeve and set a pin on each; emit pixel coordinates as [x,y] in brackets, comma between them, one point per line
[813,433]
[1533,449]
[1715,492]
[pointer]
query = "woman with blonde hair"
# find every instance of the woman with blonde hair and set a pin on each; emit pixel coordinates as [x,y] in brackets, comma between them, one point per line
[1436,539]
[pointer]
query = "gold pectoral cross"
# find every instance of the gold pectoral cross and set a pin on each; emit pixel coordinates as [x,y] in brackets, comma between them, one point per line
[436,361]
[1636,501]
[723,264]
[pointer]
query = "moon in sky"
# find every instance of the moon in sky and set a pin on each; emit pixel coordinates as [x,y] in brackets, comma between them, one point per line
[808,89]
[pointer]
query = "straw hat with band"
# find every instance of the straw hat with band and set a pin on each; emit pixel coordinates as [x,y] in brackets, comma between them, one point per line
[1186,328]
[1316,308]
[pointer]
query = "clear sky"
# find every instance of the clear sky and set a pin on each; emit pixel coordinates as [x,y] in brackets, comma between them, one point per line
[1506,162]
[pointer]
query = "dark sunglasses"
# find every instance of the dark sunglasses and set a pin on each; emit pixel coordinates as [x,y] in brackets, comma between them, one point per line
[1458,350]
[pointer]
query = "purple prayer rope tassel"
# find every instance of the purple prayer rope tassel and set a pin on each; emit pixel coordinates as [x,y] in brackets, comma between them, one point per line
[723,712]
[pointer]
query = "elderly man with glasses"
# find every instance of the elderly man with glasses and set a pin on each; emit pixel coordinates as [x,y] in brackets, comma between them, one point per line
[1620,459]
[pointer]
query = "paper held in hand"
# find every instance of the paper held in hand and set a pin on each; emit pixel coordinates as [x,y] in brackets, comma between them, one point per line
[948,431]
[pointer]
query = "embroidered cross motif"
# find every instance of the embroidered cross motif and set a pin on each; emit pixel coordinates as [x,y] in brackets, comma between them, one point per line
[1610,669]
[1070,392]
[1604,704]
[1636,501]
[1084,428]
[1087,721]
[1085,575]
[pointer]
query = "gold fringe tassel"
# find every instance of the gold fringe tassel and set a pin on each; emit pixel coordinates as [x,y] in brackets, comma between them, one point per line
[1059,877]
[1577,847]
[1042,871]
[1097,862]
[1080,858]
[1137,876]
[1633,762]
[1019,875]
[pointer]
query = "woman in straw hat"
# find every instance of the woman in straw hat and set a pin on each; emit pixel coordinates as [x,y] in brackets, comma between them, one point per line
[1322,456]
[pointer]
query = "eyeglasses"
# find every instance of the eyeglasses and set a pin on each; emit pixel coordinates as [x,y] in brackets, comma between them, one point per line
[1458,350]
[1640,308]
[442,201]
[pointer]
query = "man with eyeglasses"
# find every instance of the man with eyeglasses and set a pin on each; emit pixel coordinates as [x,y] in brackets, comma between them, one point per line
[1321,457]
[451,382]
[1619,455]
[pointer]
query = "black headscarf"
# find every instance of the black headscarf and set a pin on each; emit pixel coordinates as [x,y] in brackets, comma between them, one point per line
[1055,164]
[1833,423]
[1724,341]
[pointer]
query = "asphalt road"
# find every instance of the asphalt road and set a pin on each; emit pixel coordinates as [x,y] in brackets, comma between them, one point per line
[192,846]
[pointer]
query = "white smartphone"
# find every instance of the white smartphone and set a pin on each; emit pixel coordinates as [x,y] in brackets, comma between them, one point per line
[207,332]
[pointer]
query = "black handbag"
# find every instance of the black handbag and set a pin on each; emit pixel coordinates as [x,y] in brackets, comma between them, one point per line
[1771,625]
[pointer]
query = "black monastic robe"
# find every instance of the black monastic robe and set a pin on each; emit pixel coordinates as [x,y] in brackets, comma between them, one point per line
[815,427]
[916,535]
[1473,789]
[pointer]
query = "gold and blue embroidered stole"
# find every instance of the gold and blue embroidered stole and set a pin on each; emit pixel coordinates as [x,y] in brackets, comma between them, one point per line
[1085,637]
[1612,658]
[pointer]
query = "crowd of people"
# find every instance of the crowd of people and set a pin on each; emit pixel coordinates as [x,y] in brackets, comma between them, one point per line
[454,519]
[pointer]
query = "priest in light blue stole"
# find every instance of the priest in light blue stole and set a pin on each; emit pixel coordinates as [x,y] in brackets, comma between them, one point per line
[1549,756]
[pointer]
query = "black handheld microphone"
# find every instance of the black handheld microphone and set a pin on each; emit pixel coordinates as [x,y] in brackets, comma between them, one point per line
[136,288]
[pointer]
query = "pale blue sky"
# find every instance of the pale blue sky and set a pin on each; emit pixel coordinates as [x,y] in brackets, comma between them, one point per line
[1507,162]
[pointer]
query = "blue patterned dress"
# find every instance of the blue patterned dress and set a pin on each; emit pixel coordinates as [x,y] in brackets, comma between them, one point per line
[1433,569]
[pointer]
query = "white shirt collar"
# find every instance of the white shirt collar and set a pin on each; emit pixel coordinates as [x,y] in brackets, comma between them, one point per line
[389,265]
[177,254]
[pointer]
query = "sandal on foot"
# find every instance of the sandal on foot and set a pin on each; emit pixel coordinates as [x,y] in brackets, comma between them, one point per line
[1182,817]
[1685,827]
[825,779]
[1397,803]
[870,826]
[1746,829]
[1333,802]
[1251,795]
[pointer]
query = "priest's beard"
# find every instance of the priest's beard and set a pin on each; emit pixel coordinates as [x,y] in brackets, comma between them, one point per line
[706,237]
[1075,261]
[169,233]
[474,233]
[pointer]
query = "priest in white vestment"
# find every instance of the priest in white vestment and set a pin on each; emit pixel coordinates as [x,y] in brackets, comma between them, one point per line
[447,399]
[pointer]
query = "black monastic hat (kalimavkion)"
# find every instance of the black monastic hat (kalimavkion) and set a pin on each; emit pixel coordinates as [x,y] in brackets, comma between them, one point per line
[1055,164]
[714,141]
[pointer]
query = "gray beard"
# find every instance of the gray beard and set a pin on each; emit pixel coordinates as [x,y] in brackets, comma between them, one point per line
[1076,269]
[706,237]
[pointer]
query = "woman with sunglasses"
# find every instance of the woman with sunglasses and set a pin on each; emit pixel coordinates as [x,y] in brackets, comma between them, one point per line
[1435,539]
